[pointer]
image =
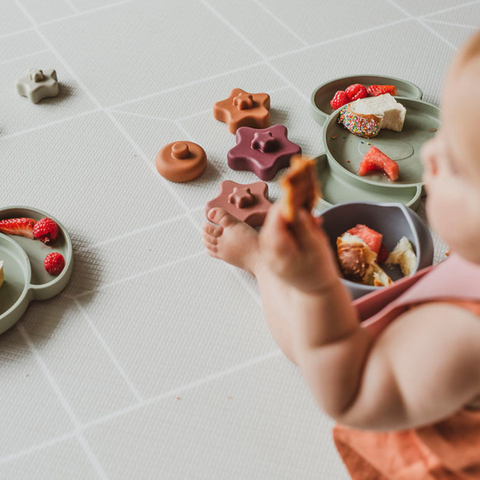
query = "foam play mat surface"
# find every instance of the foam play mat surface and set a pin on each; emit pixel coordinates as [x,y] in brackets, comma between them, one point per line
[155,362]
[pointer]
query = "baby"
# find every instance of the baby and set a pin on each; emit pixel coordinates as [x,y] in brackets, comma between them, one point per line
[405,392]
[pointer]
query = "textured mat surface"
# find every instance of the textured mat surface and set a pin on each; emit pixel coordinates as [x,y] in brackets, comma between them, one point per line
[156,363]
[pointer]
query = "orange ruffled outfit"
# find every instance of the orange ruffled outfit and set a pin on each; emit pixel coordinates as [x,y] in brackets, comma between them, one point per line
[449,449]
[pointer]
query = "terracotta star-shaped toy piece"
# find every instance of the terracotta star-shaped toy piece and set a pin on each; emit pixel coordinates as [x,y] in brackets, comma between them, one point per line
[243,109]
[263,152]
[38,84]
[249,203]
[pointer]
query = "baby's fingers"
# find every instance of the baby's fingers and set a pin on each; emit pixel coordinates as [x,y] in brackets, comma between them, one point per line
[307,232]
[275,237]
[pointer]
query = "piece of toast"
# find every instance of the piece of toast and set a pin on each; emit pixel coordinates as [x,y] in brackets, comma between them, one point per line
[300,187]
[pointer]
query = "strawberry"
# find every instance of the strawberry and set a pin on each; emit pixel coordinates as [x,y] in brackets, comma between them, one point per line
[339,100]
[18,226]
[46,230]
[376,90]
[54,263]
[356,91]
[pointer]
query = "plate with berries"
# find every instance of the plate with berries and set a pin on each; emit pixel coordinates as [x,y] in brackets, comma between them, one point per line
[331,95]
[36,260]
[389,158]
[373,130]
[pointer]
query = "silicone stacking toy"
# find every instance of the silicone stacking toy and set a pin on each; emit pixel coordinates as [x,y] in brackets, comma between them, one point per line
[243,109]
[38,84]
[263,152]
[181,161]
[249,203]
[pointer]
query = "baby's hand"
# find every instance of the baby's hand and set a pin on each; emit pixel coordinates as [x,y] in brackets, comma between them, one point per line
[300,253]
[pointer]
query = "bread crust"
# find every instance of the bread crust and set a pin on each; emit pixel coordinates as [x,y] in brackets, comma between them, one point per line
[300,187]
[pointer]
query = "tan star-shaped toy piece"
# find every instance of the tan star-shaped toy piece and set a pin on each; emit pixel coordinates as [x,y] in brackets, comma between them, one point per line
[38,84]
[243,109]
[249,203]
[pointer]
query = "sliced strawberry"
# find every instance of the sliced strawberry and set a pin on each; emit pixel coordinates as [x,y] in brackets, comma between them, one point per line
[382,254]
[375,160]
[18,226]
[339,100]
[372,238]
[376,90]
[46,230]
[356,91]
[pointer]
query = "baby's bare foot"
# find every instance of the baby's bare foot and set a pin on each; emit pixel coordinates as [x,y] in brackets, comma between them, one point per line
[231,240]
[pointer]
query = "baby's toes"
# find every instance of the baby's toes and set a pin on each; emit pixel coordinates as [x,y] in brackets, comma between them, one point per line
[222,217]
[210,229]
[209,245]
[210,239]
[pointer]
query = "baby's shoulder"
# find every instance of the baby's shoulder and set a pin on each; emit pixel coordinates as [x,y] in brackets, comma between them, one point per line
[447,307]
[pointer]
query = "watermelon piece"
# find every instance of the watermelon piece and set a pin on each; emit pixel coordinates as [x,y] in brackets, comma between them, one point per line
[372,238]
[375,160]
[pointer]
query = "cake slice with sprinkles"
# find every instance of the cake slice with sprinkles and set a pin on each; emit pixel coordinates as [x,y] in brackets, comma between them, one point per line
[367,116]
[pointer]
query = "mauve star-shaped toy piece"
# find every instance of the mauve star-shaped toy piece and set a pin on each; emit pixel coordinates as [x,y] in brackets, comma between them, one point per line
[241,197]
[243,109]
[249,203]
[263,152]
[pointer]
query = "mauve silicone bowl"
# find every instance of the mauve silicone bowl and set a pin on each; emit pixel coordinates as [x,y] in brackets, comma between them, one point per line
[393,221]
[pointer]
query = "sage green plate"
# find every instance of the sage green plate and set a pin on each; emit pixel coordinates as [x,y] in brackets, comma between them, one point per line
[25,277]
[338,188]
[320,101]
[345,150]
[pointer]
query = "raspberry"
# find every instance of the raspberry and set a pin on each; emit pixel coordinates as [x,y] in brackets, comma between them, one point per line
[54,263]
[46,230]
[339,100]
[356,91]
[376,90]
[382,254]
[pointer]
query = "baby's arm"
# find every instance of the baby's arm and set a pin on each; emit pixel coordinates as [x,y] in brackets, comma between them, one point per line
[423,368]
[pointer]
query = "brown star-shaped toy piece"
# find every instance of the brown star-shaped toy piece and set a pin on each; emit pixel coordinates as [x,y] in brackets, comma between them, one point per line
[249,203]
[243,109]
[263,152]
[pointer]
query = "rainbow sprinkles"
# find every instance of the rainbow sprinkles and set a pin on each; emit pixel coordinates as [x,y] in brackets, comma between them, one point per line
[360,126]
